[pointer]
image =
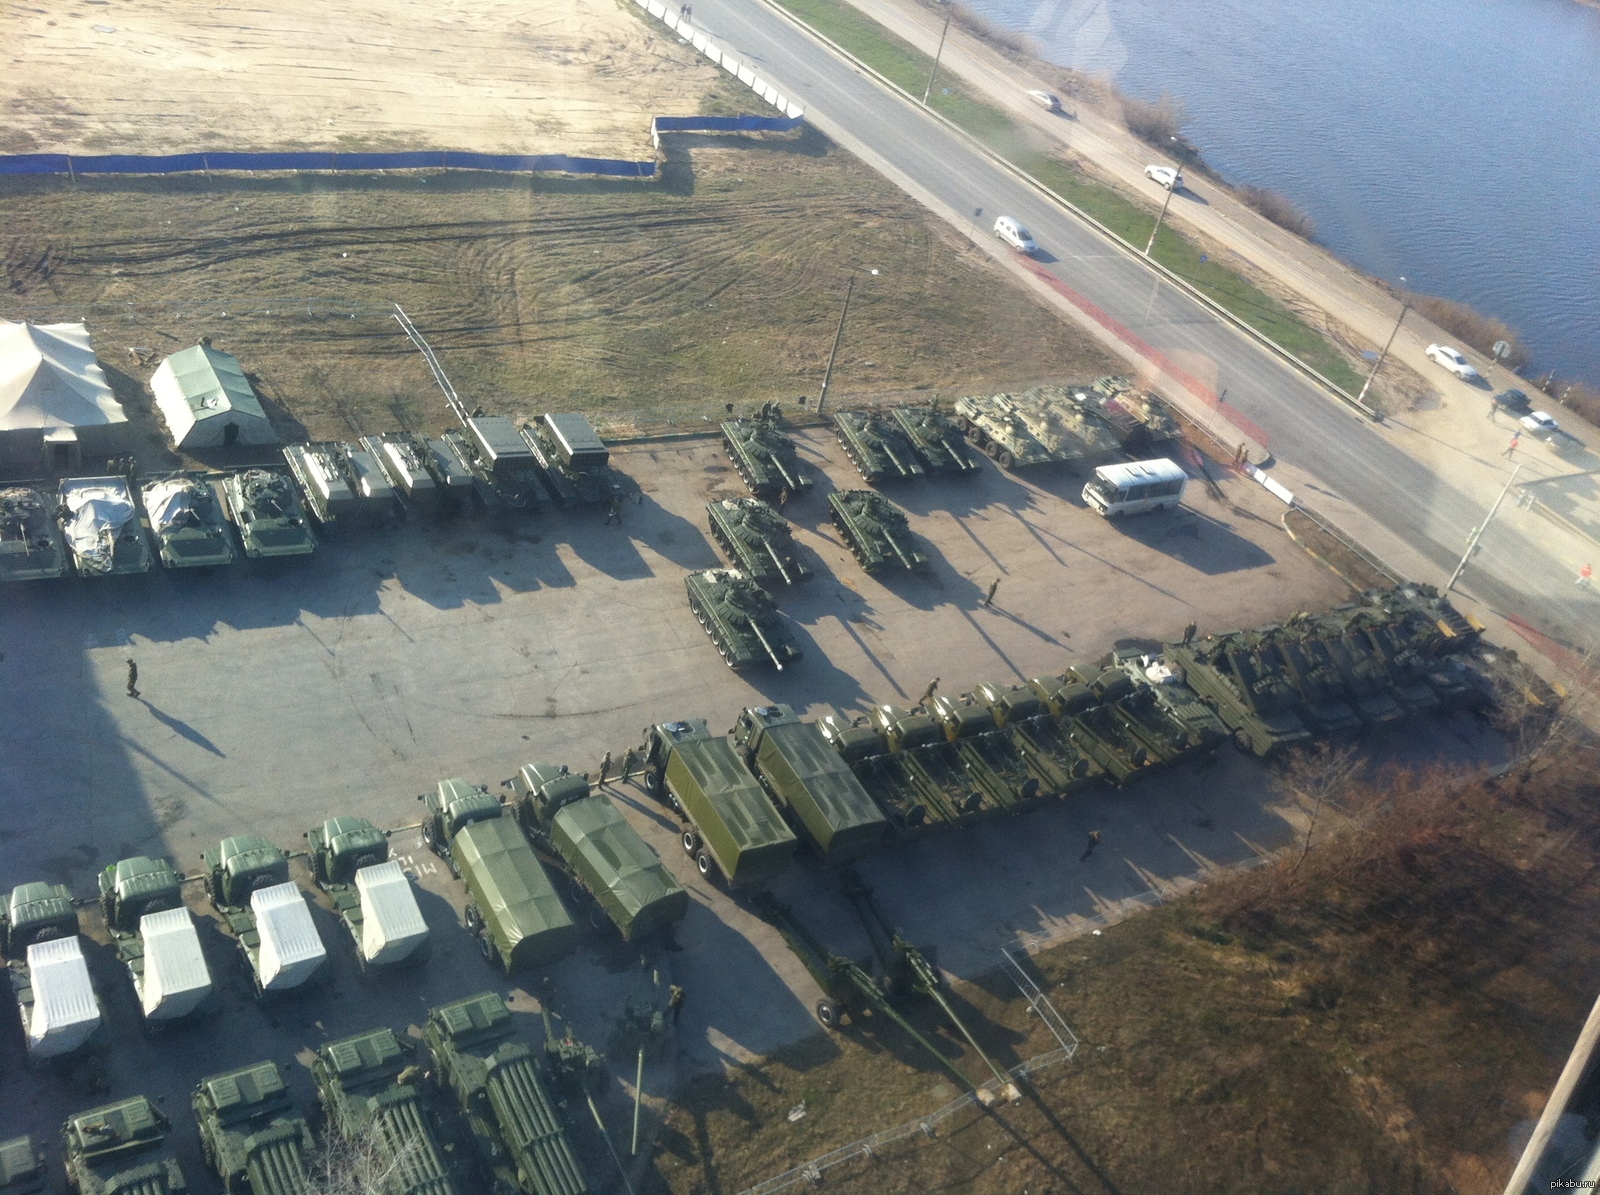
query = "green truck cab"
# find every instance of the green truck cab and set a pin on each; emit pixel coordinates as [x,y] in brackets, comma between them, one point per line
[121,1149]
[370,892]
[251,1133]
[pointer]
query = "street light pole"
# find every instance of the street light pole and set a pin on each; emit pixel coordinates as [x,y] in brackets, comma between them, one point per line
[928,90]
[1151,242]
[1477,532]
[1378,364]
[837,337]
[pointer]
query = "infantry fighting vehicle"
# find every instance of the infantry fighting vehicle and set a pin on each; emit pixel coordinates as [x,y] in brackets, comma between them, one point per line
[406,463]
[494,1075]
[875,530]
[1244,680]
[575,460]
[1068,428]
[730,826]
[100,523]
[514,909]
[1140,419]
[323,475]
[505,473]
[594,843]
[372,1089]
[1039,735]
[877,446]
[247,879]
[937,440]
[266,510]
[251,1133]
[763,455]
[804,775]
[48,975]
[23,1168]
[121,1149]
[155,937]
[744,623]
[31,547]
[757,540]
[370,892]
[191,530]
[994,425]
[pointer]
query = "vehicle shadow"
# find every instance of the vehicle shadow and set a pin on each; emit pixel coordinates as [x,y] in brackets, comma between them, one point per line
[1200,541]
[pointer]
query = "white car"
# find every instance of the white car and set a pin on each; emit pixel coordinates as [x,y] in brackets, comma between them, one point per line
[1452,360]
[1011,231]
[1169,177]
[1046,100]
[1539,421]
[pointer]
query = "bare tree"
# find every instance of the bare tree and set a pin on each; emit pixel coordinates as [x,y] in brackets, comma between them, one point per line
[362,1162]
[1316,777]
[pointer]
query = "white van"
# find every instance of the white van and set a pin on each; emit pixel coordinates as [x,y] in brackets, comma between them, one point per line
[1134,487]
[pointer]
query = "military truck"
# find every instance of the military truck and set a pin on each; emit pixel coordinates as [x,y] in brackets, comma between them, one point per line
[764,457]
[101,526]
[247,879]
[370,892]
[730,827]
[995,426]
[31,547]
[875,530]
[590,839]
[936,439]
[514,910]
[877,446]
[190,528]
[155,937]
[372,1089]
[121,1149]
[407,465]
[266,511]
[494,1075]
[1245,682]
[757,540]
[251,1133]
[803,774]
[46,970]
[741,618]
[23,1168]
[323,474]
[576,462]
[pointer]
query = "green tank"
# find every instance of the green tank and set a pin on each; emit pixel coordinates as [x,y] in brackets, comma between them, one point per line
[1404,667]
[31,547]
[1020,711]
[266,511]
[1364,679]
[605,855]
[190,528]
[1323,707]
[741,618]
[1069,429]
[936,439]
[875,530]
[370,892]
[121,1149]
[251,1133]
[494,1075]
[757,540]
[101,526]
[22,1168]
[371,1088]
[877,446]
[765,458]
[1245,683]
[995,425]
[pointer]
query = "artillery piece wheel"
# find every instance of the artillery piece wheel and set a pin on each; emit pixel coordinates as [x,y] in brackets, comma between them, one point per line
[691,842]
[828,1014]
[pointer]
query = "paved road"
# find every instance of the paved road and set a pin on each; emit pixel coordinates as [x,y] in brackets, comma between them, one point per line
[1303,424]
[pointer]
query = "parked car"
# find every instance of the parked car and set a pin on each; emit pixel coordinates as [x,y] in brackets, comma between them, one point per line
[1451,359]
[1009,230]
[1169,177]
[1046,100]
[1514,401]
[1540,421]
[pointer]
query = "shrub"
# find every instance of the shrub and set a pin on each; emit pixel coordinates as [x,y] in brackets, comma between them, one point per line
[1473,328]
[1579,397]
[1159,123]
[1281,210]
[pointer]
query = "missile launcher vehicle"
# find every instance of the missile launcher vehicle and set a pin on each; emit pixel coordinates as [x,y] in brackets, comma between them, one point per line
[757,540]
[936,439]
[407,465]
[264,911]
[741,618]
[155,937]
[1069,429]
[995,426]
[46,970]
[1245,681]
[190,527]
[765,458]
[23,1168]
[121,1149]
[877,446]
[875,530]
[575,460]
[251,1133]
[370,892]
[100,523]
[31,545]
[323,474]
[265,510]
[377,500]
[1039,734]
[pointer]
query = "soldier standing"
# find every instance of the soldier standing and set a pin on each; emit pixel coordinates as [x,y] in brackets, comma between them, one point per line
[630,760]
[927,694]
[988,598]
[605,768]
[783,499]
[133,679]
[1094,841]
[1189,633]
[675,998]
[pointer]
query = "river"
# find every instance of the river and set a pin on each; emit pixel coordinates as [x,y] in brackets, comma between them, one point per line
[1454,143]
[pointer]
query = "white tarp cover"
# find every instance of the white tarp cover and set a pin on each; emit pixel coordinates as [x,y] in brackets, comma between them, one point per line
[169,503]
[49,378]
[64,1009]
[291,949]
[391,924]
[99,513]
[175,974]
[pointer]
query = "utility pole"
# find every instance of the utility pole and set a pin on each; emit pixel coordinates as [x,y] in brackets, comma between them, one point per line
[1404,307]
[928,90]
[1151,242]
[837,337]
[1477,532]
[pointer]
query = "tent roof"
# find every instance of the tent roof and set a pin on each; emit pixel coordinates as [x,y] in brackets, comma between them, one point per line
[212,383]
[49,378]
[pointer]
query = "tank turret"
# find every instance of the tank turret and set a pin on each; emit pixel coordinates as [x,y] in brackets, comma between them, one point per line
[743,621]
[875,530]
[936,439]
[757,540]
[765,458]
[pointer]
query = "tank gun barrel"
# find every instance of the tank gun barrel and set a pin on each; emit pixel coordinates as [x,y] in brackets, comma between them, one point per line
[756,628]
[778,561]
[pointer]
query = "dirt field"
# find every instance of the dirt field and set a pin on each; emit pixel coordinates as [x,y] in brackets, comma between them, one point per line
[167,76]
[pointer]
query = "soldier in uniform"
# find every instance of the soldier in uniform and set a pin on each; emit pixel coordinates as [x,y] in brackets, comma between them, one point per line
[630,760]
[988,598]
[675,998]
[927,694]
[605,768]
[133,679]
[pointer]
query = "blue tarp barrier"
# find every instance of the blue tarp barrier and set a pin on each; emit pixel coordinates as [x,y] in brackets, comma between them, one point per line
[416,160]
[727,124]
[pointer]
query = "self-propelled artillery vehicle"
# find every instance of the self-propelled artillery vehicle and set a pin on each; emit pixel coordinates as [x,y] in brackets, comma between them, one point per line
[31,547]
[266,511]
[1245,681]
[877,446]
[155,937]
[757,540]
[264,911]
[190,528]
[506,475]
[741,618]
[937,440]
[765,458]
[121,1149]
[370,892]
[875,530]
[251,1133]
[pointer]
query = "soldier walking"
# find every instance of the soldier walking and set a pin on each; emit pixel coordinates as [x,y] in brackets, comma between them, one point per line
[988,598]
[1094,841]
[605,768]
[133,679]
[927,694]
[675,998]
[630,760]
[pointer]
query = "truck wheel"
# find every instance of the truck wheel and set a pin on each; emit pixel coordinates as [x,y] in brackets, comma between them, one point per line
[486,948]
[705,865]
[691,842]
[1004,459]
[828,1014]
[652,781]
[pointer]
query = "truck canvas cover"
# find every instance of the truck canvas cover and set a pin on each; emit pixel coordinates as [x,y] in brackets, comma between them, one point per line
[391,924]
[175,975]
[64,1009]
[291,949]
[623,873]
[741,828]
[819,786]
[525,916]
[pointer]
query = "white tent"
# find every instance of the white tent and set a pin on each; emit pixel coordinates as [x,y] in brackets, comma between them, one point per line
[207,401]
[175,975]
[291,949]
[53,390]
[64,1011]
[392,927]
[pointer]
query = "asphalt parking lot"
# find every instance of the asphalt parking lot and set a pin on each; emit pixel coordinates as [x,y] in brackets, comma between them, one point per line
[275,694]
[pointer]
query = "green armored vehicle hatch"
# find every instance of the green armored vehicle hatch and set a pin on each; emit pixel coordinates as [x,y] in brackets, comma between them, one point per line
[741,618]
[757,540]
[514,911]
[877,446]
[937,440]
[190,528]
[266,511]
[251,1133]
[121,1149]
[101,527]
[31,546]
[370,892]
[371,1088]
[731,826]
[247,879]
[155,937]
[494,1075]
[22,1168]
[803,774]
[875,530]
[595,843]
[765,458]
[1246,686]
[994,425]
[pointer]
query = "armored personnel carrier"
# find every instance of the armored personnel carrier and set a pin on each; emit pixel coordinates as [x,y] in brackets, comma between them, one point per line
[48,975]
[251,1133]
[100,522]
[190,528]
[494,1075]
[371,1088]
[370,892]
[743,621]
[877,446]
[1140,419]
[1068,428]
[594,843]
[875,530]
[155,937]
[121,1149]
[267,513]
[23,1168]
[1245,681]
[994,425]
[575,460]
[765,458]
[323,475]
[31,547]
[247,879]
[936,439]
[407,465]
[757,540]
